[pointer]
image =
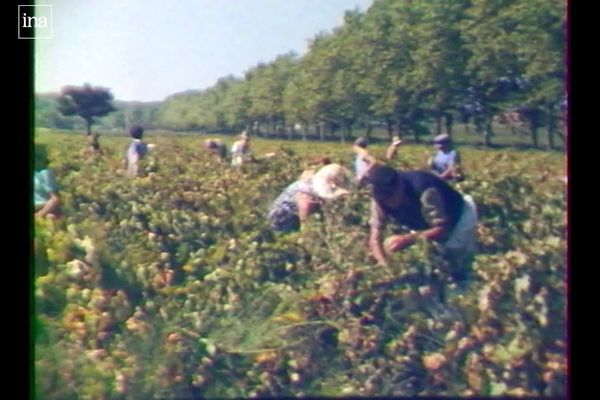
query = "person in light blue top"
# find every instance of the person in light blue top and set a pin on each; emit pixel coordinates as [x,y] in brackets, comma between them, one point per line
[136,150]
[293,205]
[45,188]
[446,163]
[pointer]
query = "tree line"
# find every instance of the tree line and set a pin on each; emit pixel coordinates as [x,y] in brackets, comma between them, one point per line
[407,65]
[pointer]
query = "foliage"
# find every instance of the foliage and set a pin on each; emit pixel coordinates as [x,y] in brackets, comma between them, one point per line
[87,102]
[170,285]
[403,63]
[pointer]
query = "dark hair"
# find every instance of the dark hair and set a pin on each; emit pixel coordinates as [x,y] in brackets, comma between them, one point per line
[442,139]
[361,142]
[136,131]
[320,160]
[324,160]
[384,181]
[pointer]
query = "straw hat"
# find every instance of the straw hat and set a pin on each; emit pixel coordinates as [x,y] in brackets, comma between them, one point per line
[331,181]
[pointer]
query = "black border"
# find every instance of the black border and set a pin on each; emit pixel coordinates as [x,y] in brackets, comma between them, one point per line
[18,213]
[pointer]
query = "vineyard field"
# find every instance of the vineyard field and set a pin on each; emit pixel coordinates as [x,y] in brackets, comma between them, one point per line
[170,285]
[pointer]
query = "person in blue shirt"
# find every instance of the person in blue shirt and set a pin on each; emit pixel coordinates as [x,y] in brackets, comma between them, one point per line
[446,163]
[136,150]
[45,188]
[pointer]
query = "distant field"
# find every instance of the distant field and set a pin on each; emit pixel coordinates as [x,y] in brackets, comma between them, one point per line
[504,136]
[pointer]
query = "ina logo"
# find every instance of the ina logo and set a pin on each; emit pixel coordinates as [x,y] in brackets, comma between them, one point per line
[35,21]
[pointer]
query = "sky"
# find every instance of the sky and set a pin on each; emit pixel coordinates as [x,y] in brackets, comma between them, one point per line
[146,50]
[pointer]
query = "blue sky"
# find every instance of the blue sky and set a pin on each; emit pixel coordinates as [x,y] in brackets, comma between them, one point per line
[149,49]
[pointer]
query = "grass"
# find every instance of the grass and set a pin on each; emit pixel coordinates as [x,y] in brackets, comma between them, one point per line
[504,136]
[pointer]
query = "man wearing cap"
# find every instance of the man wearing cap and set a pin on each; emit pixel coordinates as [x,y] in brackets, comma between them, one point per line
[305,196]
[446,162]
[426,205]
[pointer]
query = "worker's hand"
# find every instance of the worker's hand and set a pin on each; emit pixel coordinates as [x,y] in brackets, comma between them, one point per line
[398,242]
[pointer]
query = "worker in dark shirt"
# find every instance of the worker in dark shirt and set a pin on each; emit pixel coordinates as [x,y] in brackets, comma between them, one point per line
[425,204]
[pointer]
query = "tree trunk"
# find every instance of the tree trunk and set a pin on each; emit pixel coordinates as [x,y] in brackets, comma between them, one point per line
[256,128]
[369,130]
[390,129]
[349,130]
[416,129]
[449,123]
[560,136]
[88,124]
[534,135]
[438,123]
[488,132]
[550,128]
[321,129]
[304,132]
[398,129]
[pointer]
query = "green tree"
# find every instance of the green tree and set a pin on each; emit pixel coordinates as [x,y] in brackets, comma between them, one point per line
[234,104]
[294,100]
[541,43]
[87,102]
[184,111]
[309,87]
[317,87]
[437,77]
[348,102]
[511,40]
[387,55]
[266,83]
